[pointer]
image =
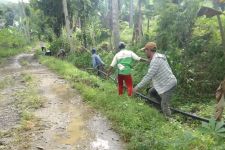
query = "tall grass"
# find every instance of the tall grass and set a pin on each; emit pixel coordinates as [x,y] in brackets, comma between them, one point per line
[12,42]
[6,52]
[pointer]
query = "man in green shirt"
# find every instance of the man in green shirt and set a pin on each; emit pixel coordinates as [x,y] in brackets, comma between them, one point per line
[123,61]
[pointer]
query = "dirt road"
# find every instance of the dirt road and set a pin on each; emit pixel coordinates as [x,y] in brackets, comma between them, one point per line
[65,122]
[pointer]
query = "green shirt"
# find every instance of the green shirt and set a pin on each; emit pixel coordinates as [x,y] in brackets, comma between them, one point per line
[123,61]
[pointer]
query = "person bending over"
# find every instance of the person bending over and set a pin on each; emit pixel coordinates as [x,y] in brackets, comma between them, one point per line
[163,79]
[97,62]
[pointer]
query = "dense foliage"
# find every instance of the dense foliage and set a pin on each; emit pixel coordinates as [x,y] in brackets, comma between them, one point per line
[192,44]
[10,38]
[12,42]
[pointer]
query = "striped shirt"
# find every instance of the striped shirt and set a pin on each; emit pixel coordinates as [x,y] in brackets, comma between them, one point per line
[160,73]
[123,60]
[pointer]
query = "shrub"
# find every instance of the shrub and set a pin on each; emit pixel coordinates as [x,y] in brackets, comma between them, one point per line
[80,59]
[58,44]
[11,38]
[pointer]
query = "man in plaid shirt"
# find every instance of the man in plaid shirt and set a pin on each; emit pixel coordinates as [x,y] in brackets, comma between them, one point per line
[163,79]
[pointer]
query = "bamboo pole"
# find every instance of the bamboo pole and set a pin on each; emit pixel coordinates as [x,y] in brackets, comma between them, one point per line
[221,32]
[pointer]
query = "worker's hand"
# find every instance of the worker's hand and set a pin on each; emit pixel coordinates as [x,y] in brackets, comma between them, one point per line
[135,89]
[145,60]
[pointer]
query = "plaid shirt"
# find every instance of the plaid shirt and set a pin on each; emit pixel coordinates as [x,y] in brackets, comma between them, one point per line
[160,73]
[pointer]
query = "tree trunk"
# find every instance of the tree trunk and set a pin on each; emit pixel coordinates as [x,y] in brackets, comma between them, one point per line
[148,26]
[140,32]
[92,34]
[83,29]
[137,32]
[115,24]
[110,22]
[119,5]
[26,25]
[74,26]
[131,13]
[83,23]
[67,21]
[221,32]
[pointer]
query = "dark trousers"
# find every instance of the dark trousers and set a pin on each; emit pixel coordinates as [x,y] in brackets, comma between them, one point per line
[154,93]
[42,49]
[100,70]
[164,99]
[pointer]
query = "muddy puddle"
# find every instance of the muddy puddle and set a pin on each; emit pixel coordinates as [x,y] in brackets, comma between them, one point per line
[67,123]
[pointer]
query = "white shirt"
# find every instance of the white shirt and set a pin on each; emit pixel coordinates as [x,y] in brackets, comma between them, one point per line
[124,54]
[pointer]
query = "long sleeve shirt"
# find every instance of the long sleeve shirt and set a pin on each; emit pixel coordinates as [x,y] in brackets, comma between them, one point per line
[96,60]
[160,73]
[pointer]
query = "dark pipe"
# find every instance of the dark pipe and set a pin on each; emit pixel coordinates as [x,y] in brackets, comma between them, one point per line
[173,109]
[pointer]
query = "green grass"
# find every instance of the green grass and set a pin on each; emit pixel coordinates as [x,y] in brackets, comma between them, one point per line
[27,78]
[5,82]
[28,98]
[7,52]
[28,101]
[24,63]
[141,126]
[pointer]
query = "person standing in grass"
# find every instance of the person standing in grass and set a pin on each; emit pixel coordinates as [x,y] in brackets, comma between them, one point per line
[123,61]
[97,62]
[164,81]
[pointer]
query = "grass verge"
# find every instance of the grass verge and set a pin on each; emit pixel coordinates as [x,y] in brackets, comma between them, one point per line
[141,126]
[8,52]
